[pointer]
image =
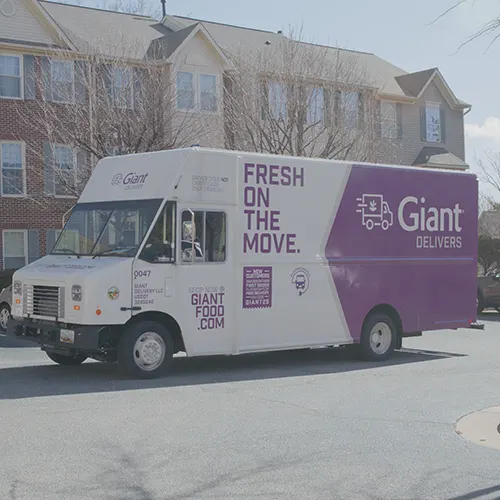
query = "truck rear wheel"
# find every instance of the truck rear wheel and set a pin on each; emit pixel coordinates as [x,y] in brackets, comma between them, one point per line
[479,303]
[145,350]
[378,338]
[61,359]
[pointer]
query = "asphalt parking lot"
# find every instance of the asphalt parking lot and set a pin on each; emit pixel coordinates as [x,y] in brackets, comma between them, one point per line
[296,425]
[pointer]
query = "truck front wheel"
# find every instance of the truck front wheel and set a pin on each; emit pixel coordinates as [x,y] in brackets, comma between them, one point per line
[378,338]
[61,359]
[145,350]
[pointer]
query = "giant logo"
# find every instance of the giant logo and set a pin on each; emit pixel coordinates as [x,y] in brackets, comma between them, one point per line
[413,214]
[132,180]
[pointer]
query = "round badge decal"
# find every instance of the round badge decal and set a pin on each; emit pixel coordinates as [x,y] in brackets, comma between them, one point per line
[113,293]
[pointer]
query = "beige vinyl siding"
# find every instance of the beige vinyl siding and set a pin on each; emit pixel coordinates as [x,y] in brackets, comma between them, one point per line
[408,148]
[22,26]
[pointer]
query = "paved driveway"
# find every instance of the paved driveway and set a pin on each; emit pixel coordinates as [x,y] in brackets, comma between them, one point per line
[308,425]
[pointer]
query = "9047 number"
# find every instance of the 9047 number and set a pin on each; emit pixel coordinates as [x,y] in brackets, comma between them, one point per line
[142,274]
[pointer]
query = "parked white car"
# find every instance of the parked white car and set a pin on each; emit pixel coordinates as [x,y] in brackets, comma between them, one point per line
[5,308]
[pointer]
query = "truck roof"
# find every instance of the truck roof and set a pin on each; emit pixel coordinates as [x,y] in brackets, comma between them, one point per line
[309,159]
[150,175]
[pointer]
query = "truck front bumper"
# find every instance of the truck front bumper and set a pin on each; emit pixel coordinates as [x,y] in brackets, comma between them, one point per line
[57,336]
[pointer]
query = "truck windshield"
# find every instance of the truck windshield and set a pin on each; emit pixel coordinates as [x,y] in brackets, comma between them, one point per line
[106,228]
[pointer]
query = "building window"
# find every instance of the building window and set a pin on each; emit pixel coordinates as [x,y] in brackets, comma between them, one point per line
[65,170]
[389,120]
[196,91]
[206,242]
[10,77]
[277,100]
[15,249]
[349,105]
[13,173]
[432,123]
[62,81]
[116,151]
[185,90]
[121,87]
[208,93]
[315,105]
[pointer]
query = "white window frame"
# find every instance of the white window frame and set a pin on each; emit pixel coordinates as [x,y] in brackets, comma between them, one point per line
[433,105]
[23,168]
[129,70]
[21,75]
[75,167]
[72,97]
[26,250]
[197,91]
[392,132]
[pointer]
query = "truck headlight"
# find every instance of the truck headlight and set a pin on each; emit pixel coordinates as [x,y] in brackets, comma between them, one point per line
[76,293]
[17,288]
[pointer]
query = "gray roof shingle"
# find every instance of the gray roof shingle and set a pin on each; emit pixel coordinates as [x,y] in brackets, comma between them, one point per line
[166,45]
[413,83]
[116,34]
[438,156]
[234,39]
[112,34]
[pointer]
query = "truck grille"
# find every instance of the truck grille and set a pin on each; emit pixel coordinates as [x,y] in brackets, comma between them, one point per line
[44,300]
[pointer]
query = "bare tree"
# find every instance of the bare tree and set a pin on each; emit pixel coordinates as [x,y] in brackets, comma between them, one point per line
[149,8]
[490,28]
[295,98]
[489,216]
[103,105]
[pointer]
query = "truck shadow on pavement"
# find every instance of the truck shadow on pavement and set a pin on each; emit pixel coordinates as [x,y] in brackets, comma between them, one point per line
[91,377]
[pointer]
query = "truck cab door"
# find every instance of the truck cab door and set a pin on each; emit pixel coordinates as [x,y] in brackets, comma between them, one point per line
[204,279]
[153,271]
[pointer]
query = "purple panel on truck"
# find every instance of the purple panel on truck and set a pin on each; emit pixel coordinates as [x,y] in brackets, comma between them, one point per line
[406,238]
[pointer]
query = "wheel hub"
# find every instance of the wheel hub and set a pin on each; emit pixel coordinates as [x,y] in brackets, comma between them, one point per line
[380,338]
[149,351]
[4,318]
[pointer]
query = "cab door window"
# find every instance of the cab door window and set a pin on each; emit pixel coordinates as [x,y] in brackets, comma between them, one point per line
[160,246]
[206,241]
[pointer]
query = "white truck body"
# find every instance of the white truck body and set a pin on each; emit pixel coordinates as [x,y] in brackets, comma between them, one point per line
[262,279]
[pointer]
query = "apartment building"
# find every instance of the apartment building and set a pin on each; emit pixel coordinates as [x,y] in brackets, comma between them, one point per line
[44,49]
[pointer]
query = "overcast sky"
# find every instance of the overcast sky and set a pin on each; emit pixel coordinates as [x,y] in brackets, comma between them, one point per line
[399,31]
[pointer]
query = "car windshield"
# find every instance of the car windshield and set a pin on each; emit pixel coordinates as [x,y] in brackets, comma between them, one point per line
[107,228]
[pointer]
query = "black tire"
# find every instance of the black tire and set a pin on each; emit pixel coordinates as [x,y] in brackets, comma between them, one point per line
[4,308]
[367,350]
[63,360]
[480,303]
[129,358]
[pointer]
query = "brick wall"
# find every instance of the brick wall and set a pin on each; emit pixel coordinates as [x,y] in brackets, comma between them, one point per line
[34,211]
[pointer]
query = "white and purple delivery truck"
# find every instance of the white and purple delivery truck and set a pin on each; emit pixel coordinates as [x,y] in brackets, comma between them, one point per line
[216,252]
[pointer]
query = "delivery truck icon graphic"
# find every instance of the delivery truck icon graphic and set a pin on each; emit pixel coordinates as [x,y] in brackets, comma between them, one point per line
[375,211]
